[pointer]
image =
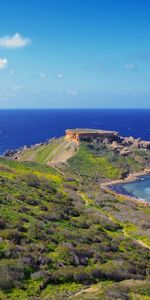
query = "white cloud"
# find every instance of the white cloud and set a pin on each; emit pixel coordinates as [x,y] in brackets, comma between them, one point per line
[14,41]
[43,75]
[3,63]
[60,75]
[131,67]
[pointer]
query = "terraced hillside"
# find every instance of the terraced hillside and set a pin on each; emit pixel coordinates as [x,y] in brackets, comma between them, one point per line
[62,237]
[57,151]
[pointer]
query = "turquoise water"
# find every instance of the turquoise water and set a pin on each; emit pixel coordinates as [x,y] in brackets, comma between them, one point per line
[139,188]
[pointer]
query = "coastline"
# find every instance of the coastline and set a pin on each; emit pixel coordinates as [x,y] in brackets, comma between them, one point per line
[106,186]
[116,143]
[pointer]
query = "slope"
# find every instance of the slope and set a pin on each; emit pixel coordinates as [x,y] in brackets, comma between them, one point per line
[57,151]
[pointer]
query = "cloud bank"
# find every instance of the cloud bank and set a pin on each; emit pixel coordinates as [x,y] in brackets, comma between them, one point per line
[13,42]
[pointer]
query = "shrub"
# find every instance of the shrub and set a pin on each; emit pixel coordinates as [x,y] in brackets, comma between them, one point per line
[2,223]
[64,253]
[15,236]
[31,180]
[119,270]
[32,201]
[35,260]
[12,274]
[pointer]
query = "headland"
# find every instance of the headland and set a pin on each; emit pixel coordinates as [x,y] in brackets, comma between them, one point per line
[63,231]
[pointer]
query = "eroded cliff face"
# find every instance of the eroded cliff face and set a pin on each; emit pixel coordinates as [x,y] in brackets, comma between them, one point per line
[91,135]
[122,145]
[72,136]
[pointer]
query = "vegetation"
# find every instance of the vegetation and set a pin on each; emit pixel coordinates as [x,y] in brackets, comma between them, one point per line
[100,162]
[62,237]
[55,151]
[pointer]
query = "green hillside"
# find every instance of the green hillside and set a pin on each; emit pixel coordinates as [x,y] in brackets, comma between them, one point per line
[61,236]
[56,151]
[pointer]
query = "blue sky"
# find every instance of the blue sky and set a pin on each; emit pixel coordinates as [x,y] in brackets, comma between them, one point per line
[74,53]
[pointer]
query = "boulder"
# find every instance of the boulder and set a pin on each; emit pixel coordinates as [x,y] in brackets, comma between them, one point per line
[128,141]
[125,152]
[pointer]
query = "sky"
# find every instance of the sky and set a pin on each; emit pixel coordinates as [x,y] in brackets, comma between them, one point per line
[75,54]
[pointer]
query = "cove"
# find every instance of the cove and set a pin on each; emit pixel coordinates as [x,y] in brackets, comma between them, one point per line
[138,189]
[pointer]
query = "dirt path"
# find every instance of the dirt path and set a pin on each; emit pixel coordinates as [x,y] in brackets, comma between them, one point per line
[89,290]
[138,241]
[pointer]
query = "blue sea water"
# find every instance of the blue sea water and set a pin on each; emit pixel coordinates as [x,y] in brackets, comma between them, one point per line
[27,127]
[139,188]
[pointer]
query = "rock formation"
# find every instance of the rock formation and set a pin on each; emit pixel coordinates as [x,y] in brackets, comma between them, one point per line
[121,145]
[91,135]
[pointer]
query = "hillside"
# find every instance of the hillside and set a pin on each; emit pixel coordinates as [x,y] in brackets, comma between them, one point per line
[88,158]
[57,151]
[62,237]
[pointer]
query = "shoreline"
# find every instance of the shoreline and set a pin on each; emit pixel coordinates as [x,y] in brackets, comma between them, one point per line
[106,186]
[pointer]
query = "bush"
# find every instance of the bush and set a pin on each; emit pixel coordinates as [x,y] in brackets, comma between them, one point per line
[3,223]
[64,253]
[119,270]
[12,274]
[31,180]
[15,236]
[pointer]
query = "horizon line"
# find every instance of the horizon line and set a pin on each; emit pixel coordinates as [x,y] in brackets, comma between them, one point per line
[75,108]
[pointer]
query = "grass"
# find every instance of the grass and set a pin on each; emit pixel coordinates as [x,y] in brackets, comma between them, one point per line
[85,163]
[41,154]
[57,150]
[60,236]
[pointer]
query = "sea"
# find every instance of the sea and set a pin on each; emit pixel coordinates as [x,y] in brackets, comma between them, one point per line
[139,188]
[29,126]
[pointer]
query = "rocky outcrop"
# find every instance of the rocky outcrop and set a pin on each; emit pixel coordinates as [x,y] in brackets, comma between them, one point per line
[15,153]
[142,145]
[10,153]
[104,136]
[136,143]
[121,145]
[125,151]
[128,141]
